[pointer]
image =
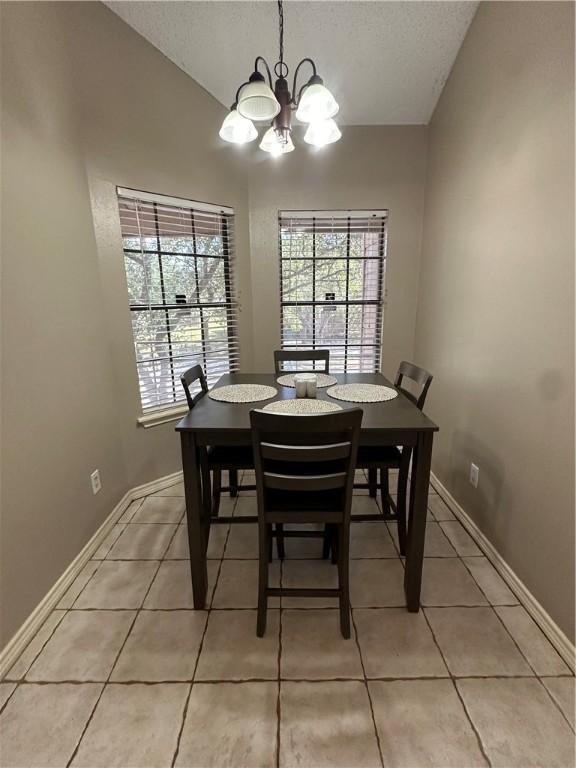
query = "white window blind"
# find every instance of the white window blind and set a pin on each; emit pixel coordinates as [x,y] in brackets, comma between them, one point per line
[178,257]
[332,272]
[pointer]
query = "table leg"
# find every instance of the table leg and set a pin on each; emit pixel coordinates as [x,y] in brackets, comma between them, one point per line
[194,515]
[420,480]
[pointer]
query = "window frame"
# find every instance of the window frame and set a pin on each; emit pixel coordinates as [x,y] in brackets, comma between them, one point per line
[161,412]
[323,216]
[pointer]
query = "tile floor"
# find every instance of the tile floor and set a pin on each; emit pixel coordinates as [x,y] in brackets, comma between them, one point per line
[125,673]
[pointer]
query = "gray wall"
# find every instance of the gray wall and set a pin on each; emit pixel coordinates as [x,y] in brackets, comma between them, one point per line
[496,308]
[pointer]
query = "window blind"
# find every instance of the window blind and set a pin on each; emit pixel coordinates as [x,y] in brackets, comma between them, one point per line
[178,257]
[332,273]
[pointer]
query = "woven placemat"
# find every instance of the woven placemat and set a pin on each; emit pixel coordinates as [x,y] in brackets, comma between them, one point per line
[243,393]
[362,393]
[302,406]
[322,380]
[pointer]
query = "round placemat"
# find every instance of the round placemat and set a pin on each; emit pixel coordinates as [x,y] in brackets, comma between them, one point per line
[322,380]
[362,393]
[302,406]
[243,393]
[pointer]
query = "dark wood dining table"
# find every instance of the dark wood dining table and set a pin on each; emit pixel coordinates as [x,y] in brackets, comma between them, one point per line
[393,422]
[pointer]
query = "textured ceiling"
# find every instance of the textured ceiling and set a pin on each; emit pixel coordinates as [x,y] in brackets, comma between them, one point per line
[386,62]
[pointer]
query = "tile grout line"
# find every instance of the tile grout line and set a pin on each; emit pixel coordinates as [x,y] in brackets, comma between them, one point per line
[141,500]
[3,707]
[239,680]
[367,688]
[104,685]
[44,644]
[187,701]
[200,647]
[475,580]
[508,632]
[556,704]
[458,694]
[548,643]
[438,606]
[85,585]
[116,525]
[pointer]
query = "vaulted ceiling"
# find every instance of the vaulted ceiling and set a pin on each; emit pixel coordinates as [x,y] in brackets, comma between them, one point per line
[386,62]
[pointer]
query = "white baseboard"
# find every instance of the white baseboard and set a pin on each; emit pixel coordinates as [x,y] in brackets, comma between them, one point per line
[20,640]
[156,485]
[552,631]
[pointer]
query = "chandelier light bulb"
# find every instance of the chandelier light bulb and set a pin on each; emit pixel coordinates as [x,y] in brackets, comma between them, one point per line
[272,144]
[256,101]
[322,132]
[237,129]
[316,103]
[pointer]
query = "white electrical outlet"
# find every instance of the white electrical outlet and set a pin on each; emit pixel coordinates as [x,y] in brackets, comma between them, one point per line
[474,473]
[96,482]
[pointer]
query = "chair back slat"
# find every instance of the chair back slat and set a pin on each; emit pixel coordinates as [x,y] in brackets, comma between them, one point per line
[304,482]
[296,457]
[299,355]
[303,453]
[419,376]
[188,378]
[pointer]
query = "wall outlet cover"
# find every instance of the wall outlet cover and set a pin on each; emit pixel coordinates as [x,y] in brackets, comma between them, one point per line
[95,481]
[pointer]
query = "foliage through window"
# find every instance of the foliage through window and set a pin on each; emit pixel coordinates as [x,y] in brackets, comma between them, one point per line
[178,261]
[332,271]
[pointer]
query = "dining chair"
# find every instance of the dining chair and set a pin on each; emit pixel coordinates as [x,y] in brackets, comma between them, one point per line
[215,459]
[298,355]
[375,459]
[305,474]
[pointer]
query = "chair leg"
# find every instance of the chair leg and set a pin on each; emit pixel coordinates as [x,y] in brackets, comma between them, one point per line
[334,543]
[206,487]
[343,579]
[216,491]
[384,490]
[233,482]
[264,541]
[280,541]
[401,505]
[327,541]
[373,483]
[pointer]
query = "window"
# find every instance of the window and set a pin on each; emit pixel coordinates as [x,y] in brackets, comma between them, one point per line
[332,266]
[178,261]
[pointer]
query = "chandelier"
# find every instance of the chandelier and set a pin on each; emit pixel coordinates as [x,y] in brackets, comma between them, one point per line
[257,101]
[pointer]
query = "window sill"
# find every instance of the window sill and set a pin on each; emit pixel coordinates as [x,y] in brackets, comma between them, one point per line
[162,416]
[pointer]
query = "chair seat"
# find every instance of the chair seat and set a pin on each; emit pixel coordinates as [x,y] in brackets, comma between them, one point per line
[374,456]
[230,457]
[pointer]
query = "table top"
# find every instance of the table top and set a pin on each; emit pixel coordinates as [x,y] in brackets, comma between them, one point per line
[397,415]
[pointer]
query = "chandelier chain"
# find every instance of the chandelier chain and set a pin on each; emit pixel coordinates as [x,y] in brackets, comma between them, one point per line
[281,25]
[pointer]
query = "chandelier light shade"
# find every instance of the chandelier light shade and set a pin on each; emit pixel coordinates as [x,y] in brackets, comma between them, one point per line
[316,103]
[261,100]
[322,132]
[237,129]
[257,100]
